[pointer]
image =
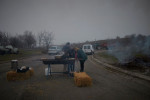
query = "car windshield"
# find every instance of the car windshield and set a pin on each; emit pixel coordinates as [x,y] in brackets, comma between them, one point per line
[59,48]
[86,47]
[53,48]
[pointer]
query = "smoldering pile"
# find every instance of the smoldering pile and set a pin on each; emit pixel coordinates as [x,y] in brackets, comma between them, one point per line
[131,51]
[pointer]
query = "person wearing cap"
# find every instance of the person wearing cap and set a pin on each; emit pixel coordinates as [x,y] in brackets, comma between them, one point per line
[82,57]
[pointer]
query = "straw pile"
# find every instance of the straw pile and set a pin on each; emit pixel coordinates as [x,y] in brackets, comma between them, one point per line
[31,71]
[13,75]
[82,79]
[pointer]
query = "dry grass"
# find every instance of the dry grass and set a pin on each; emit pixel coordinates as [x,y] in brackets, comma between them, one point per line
[22,54]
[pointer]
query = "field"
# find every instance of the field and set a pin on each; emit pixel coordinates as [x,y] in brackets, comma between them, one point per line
[22,54]
[109,58]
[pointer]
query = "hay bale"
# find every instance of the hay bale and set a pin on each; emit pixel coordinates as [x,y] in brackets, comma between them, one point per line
[13,75]
[23,76]
[82,79]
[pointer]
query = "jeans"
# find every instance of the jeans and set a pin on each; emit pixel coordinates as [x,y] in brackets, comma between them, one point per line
[82,65]
[71,67]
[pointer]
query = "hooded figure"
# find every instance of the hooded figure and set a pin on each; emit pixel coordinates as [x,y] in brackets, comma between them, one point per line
[82,57]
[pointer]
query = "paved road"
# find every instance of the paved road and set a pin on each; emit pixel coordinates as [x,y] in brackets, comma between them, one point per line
[107,84]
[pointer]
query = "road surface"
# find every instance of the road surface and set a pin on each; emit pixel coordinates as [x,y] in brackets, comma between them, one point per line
[107,84]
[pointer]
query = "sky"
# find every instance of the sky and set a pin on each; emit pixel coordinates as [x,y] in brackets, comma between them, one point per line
[76,20]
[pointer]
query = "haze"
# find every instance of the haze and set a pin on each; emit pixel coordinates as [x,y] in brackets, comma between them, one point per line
[76,20]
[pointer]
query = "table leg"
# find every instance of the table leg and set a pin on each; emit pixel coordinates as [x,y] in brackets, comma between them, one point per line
[69,68]
[49,69]
[73,65]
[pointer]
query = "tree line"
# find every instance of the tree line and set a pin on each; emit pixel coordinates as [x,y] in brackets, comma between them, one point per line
[27,40]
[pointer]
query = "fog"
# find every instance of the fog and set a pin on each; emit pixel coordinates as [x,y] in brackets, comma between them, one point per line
[76,20]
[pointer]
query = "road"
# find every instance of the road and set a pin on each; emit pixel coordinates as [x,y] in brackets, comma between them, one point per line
[107,84]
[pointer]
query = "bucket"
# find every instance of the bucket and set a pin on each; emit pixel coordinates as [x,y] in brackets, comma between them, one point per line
[46,72]
[14,64]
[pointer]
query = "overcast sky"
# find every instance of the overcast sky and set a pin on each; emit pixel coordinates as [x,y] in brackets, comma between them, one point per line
[76,20]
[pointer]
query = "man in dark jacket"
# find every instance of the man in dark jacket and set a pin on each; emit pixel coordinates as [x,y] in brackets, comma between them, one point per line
[82,57]
[66,49]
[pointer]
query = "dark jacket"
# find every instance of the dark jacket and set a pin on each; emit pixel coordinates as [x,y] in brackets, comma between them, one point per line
[81,55]
[71,53]
[66,50]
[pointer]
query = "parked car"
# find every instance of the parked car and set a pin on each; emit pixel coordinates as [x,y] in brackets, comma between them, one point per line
[54,50]
[8,50]
[2,50]
[12,50]
[88,49]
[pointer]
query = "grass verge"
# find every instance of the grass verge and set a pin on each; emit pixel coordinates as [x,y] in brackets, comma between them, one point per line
[22,53]
[108,57]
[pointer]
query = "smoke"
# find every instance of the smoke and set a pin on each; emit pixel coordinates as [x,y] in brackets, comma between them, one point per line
[126,49]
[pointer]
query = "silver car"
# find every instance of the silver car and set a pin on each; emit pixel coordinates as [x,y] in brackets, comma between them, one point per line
[54,50]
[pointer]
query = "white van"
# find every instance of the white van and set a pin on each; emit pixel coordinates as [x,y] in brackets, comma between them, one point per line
[54,50]
[88,49]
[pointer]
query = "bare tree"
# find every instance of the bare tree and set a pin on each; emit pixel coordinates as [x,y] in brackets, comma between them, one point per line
[21,42]
[4,38]
[40,37]
[14,41]
[46,38]
[29,39]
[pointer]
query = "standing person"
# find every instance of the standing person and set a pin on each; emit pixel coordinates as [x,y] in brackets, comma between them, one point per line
[82,57]
[72,65]
[66,50]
